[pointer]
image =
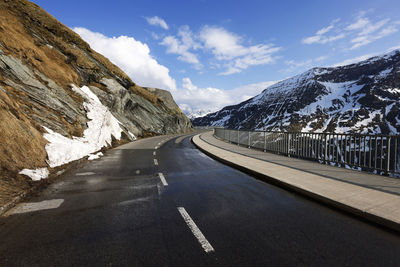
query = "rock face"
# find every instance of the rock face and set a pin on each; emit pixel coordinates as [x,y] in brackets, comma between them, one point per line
[357,98]
[41,61]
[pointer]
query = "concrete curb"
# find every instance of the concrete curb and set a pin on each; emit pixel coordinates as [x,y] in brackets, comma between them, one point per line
[357,208]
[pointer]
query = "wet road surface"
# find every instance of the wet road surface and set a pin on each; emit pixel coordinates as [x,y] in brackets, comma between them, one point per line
[167,204]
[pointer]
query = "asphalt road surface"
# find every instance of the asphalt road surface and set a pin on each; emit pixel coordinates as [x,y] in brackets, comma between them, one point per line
[167,204]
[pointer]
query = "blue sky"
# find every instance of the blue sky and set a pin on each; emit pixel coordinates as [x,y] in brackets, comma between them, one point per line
[213,53]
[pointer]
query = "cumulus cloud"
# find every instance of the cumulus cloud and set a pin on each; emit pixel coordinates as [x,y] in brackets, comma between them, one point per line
[157,21]
[227,47]
[132,56]
[191,98]
[182,46]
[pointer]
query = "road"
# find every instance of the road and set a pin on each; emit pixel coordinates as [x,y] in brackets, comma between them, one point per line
[156,203]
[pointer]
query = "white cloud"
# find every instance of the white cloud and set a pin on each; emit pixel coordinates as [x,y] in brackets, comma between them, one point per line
[157,21]
[372,27]
[321,58]
[227,46]
[320,38]
[364,57]
[369,34]
[223,44]
[359,24]
[293,65]
[132,56]
[353,60]
[363,31]
[325,30]
[191,98]
[182,46]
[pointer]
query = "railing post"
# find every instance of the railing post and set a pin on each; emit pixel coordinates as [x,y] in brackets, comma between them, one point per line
[388,155]
[395,154]
[249,139]
[325,148]
[265,141]
[288,144]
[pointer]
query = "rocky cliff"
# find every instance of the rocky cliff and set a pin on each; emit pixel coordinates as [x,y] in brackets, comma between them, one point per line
[357,98]
[61,101]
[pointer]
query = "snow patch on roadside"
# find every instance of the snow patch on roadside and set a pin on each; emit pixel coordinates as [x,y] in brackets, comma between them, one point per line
[132,136]
[95,156]
[37,174]
[101,127]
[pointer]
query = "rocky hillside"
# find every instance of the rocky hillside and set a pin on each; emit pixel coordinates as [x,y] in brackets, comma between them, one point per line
[61,101]
[360,98]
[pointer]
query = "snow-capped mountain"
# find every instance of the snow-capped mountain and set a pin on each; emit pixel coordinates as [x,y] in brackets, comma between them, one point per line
[197,114]
[362,98]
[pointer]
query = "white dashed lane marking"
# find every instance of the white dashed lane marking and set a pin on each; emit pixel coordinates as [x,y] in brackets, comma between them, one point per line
[195,230]
[155,162]
[36,206]
[154,153]
[162,178]
[84,173]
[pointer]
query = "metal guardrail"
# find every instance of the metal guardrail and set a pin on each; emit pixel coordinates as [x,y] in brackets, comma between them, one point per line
[373,153]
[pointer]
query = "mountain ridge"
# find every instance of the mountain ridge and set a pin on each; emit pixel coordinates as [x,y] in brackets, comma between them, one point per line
[361,97]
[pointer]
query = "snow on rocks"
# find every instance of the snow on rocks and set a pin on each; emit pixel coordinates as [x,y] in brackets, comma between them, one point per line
[101,127]
[37,174]
[95,156]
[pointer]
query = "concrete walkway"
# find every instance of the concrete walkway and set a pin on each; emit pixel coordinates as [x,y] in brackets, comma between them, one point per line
[373,197]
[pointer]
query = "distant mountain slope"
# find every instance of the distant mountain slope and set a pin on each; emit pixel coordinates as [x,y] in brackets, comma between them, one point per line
[60,100]
[361,98]
[197,114]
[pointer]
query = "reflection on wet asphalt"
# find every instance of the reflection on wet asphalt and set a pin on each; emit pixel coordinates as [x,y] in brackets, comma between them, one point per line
[117,211]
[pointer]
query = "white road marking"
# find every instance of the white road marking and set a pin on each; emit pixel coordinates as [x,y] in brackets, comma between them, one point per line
[84,173]
[137,171]
[162,178]
[133,201]
[154,153]
[195,230]
[156,147]
[36,206]
[155,162]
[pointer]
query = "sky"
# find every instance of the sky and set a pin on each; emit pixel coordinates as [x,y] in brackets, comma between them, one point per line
[214,53]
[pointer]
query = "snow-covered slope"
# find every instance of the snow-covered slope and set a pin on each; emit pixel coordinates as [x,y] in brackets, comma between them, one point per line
[361,98]
[197,114]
